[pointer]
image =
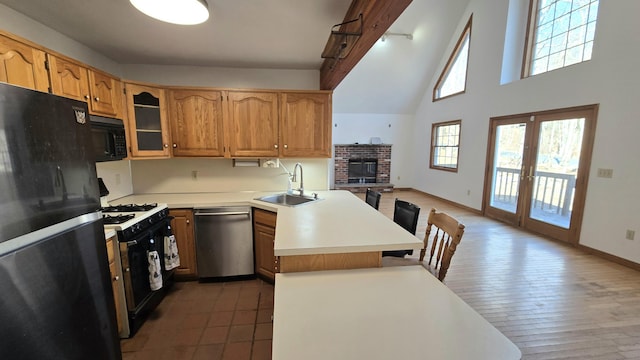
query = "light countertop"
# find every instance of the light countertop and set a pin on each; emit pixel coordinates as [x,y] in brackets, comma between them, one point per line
[400,312]
[339,222]
[109,233]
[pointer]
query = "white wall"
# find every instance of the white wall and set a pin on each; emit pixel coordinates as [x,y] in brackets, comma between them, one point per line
[609,79]
[392,129]
[224,77]
[117,178]
[18,24]
[218,175]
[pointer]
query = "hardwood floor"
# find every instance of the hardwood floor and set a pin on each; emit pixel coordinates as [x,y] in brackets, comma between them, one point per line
[553,301]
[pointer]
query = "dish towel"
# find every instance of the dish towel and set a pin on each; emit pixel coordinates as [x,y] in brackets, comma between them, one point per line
[155,275]
[171,257]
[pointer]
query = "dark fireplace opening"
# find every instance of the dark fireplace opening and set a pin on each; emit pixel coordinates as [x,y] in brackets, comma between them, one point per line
[362,171]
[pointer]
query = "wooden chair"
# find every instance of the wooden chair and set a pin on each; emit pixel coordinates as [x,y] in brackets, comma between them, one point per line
[373,198]
[447,233]
[406,215]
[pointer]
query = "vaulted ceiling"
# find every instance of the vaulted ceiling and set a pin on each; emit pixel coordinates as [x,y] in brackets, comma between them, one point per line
[278,34]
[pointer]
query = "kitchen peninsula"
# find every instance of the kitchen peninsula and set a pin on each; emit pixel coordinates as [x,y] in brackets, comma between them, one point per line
[338,231]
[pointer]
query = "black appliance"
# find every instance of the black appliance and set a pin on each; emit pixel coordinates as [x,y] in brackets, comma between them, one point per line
[140,228]
[109,140]
[57,300]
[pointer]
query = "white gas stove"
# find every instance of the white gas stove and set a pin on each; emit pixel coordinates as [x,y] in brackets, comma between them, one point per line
[133,218]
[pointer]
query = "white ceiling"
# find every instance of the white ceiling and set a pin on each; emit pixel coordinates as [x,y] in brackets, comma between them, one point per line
[279,34]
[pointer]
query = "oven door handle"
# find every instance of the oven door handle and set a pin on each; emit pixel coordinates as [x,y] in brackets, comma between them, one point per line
[222,213]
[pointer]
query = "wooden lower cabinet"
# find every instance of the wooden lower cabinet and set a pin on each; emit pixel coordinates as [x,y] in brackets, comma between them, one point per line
[264,234]
[116,279]
[182,225]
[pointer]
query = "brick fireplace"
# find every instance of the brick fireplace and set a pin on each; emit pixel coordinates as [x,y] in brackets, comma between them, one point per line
[378,155]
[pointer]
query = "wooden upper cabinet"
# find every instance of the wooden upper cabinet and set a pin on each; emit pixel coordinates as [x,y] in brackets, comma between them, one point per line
[22,65]
[147,121]
[102,92]
[253,124]
[305,124]
[196,118]
[68,79]
[106,94]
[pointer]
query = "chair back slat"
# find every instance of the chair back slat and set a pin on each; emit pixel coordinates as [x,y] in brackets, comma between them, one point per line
[447,235]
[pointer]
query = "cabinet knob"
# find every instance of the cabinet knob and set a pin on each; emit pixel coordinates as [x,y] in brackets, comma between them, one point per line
[166,146]
[116,278]
[175,145]
[97,99]
[188,222]
[286,146]
[127,269]
[86,97]
[275,146]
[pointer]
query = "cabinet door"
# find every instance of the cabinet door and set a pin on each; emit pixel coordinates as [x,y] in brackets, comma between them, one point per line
[264,237]
[68,79]
[182,225]
[305,124]
[22,65]
[264,234]
[148,125]
[116,280]
[253,124]
[196,118]
[106,94]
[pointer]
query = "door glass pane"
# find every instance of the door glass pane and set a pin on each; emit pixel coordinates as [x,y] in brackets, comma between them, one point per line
[149,140]
[556,166]
[509,145]
[148,122]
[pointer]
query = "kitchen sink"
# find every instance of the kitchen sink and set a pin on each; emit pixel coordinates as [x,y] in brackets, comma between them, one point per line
[287,199]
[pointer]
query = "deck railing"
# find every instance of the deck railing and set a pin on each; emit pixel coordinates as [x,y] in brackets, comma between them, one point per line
[551,191]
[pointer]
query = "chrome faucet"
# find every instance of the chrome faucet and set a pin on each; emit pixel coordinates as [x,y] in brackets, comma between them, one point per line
[293,177]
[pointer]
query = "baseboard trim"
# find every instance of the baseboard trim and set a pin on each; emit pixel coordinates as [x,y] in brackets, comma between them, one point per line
[607,256]
[453,203]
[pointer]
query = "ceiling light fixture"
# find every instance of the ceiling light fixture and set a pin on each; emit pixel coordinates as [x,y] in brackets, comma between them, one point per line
[387,34]
[181,12]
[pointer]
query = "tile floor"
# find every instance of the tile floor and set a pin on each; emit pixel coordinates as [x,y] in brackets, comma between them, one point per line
[212,321]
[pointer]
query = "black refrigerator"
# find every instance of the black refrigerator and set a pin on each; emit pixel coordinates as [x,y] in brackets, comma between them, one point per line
[56,300]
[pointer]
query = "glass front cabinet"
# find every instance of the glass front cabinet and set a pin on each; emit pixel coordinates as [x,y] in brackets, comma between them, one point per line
[148,123]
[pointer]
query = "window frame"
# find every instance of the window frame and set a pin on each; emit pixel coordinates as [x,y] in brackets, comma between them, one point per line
[434,145]
[454,54]
[530,37]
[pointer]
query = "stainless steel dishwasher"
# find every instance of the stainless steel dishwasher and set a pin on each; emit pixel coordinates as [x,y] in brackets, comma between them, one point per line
[224,242]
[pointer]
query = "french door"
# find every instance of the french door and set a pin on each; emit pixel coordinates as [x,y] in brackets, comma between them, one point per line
[537,170]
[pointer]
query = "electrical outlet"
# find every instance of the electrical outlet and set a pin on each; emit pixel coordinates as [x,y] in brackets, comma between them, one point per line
[398,177]
[630,234]
[468,192]
[605,173]
[194,175]
[118,179]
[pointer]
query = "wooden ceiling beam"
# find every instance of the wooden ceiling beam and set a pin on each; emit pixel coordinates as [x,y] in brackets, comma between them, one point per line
[377,17]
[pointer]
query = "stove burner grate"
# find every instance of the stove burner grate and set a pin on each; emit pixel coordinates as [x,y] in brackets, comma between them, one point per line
[116,219]
[129,207]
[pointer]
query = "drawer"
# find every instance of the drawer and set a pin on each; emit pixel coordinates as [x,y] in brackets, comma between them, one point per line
[267,218]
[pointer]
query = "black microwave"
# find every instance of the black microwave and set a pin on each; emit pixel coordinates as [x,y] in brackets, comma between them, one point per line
[109,140]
